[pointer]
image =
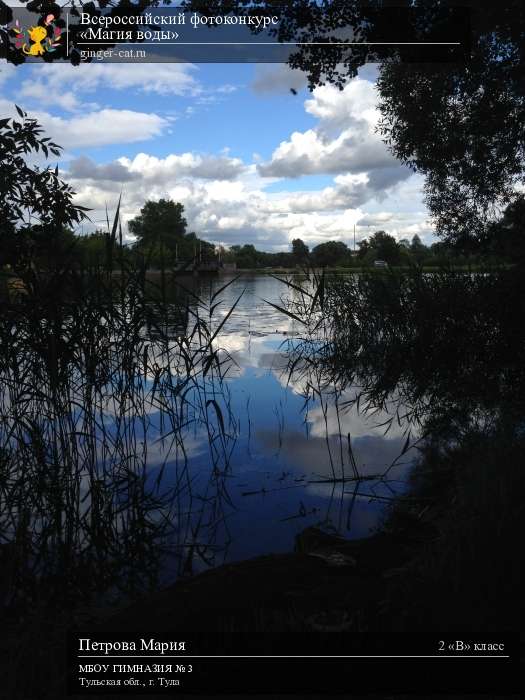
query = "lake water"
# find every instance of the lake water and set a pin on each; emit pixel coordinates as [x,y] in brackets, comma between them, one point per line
[128,450]
[282,467]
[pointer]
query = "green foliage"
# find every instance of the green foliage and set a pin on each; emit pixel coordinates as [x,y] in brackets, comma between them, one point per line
[385,247]
[474,112]
[245,256]
[458,122]
[331,253]
[505,238]
[300,251]
[248,257]
[91,251]
[162,240]
[36,206]
[418,251]
[159,223]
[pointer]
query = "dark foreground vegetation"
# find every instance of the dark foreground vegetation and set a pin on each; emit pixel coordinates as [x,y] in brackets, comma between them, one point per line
[86,532]
[444,353]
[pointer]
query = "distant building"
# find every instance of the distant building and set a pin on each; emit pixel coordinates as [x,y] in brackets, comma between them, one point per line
[380,263]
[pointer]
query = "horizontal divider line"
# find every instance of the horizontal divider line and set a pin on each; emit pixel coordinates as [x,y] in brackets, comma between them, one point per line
[291,656]
[272,43]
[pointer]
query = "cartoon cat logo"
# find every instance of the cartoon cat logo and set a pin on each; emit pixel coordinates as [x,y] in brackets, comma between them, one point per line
[35,41]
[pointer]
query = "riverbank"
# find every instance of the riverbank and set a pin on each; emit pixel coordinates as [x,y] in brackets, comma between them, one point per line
[367,269]
[326,587]
[445,557]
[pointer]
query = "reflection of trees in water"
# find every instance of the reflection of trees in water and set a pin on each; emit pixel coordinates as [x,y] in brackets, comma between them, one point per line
[422,347]
[447,353]
[436,357]
[104,403]
[91,390]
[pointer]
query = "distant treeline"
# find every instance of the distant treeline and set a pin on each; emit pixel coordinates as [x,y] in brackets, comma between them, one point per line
[379,247]
[162,241]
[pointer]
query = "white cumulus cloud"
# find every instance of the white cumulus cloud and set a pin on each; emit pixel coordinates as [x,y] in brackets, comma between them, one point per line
[344,140]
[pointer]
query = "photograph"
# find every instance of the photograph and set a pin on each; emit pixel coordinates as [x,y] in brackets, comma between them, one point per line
[262,345]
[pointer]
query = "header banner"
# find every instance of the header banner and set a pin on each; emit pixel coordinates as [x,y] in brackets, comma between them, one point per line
[258,33]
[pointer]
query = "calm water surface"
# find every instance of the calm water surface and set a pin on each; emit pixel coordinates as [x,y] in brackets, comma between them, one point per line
[271,474]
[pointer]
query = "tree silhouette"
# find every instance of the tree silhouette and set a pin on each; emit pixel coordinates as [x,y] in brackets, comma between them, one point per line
[36,206]
[300,251]
[455,116]
[418,250]
[159,222]
[160,229]
[385,247]
[331,253]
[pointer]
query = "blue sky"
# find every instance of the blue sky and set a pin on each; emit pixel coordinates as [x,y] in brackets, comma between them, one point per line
[250,161]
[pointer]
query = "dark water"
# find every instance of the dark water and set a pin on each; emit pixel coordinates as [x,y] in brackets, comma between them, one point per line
[141,440]
[286,464]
